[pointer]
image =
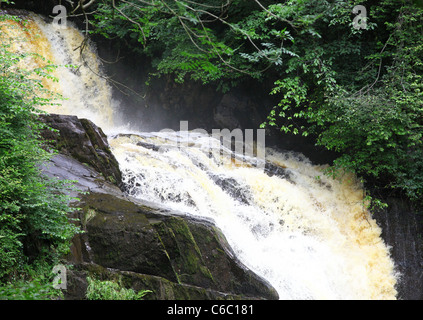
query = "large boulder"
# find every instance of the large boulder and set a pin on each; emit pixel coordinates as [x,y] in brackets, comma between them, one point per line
[82,140]
[153,246]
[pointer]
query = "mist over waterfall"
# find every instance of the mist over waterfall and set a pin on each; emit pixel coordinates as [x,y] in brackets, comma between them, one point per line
[307,234]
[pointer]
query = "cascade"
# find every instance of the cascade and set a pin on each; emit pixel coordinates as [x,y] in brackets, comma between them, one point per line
[84,89]
[307,234]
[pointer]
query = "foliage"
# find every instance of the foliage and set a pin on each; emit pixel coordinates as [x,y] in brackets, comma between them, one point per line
[370,111]
[33,283]
[110,290]
[193,39]
[34,223]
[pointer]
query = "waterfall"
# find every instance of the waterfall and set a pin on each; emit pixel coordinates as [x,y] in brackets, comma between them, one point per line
[307,234]
[82,85]
[309,237]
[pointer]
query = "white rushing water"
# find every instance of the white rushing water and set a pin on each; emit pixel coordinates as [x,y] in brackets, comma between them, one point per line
[305,233]
[310,238]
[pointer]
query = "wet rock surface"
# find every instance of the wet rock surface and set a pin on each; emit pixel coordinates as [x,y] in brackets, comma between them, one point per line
[83,141]
[164,247]
[402,229]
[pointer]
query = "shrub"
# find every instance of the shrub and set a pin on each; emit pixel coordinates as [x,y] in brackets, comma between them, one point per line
[110,290]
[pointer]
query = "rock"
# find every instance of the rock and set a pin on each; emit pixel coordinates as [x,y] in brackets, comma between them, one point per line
[232,187]
[82,140]
[134,238]
[76,283]
[237,111]
[273,170]
[86,178]
[226,112]
[161,289]
[402,227]
[121,237]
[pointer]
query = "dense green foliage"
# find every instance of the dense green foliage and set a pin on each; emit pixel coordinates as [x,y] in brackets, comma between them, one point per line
[111,290]
[361,95]
[35,230]
[208,41]
[357,91]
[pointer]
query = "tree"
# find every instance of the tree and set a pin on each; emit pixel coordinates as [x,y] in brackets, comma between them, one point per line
[369,109]
[207,41]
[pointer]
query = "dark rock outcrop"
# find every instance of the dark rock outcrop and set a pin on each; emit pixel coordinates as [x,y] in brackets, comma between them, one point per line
[144,246]
[402,230]
[238,111]
[162,248]
[82,140]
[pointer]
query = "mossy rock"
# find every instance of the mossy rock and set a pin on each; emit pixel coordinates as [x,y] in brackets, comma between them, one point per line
[175,256]
[121,237]
[161,288]
[84,141]
[184,253]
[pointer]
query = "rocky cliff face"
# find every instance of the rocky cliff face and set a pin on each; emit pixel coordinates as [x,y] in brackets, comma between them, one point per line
[143,246]
[402,230]
[83,141]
